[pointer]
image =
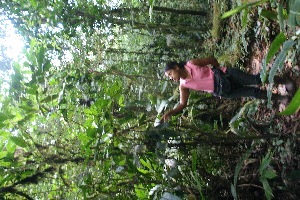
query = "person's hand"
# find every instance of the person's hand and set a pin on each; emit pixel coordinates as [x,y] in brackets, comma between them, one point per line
[164,118]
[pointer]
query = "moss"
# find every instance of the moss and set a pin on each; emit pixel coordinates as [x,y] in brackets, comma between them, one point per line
[215,32]
[225,44]
[228,59]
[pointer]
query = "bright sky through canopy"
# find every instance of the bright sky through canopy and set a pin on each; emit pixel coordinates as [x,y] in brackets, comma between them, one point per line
[11,45]
[10,40]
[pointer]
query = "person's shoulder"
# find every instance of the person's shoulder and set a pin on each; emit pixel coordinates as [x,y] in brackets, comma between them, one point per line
[190,64]
[194,61]
[182,86]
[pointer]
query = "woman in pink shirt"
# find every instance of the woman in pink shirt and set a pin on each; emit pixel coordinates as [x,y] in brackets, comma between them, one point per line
[224,82]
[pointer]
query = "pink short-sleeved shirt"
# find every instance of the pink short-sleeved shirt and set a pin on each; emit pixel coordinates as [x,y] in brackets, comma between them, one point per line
[202,78]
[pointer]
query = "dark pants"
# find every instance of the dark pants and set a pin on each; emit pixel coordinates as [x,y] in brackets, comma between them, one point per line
[236,83]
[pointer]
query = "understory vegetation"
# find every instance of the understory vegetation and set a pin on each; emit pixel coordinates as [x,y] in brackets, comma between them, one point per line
[78,108]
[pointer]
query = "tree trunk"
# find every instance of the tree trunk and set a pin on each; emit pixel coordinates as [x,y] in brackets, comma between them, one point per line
[160,9]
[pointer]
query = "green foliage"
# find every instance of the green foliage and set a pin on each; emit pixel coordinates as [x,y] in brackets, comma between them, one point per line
[293,106]
[280,40]
[242,7]
[268,14]
[237,124]
[229,52]
[83,99]
[280,10]
[198,183]
[275,46]
[278,64]
[18,141]
[266,173]
[294,17]
[237,171]
[140,192]
[194,160]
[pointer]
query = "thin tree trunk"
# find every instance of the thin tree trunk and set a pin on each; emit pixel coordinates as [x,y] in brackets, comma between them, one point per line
[160,9]
[182,12]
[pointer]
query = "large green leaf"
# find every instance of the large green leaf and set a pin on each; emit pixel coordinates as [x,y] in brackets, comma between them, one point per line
[18,141]
[263,72]
[141,192]
[3,117]
[233,192]
[293,106]
[240,8]
[239,166]
[267,188]
[237,119]
[280,16]
[294,16]
[27,107]
[3,154]
[33,3]
[275,46]
[10,146]
[237,172]
[265,162]
[32,89]
[144,171]
[146,163]
[278,65]
[3,136]
[27,118]
[268,14]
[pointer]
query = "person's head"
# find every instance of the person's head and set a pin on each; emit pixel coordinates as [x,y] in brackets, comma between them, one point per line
[173,70]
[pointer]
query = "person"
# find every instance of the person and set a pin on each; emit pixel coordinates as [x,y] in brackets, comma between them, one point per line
[196,74]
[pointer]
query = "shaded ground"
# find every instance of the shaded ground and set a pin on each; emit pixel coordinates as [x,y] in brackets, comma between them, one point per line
[260,34]
[290,124]
[286,128]
[281,134]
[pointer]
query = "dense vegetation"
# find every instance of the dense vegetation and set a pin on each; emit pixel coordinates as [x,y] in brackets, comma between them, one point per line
[77,113]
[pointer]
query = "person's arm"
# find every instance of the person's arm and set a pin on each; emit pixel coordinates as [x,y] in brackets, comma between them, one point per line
[205,61]
[184,96]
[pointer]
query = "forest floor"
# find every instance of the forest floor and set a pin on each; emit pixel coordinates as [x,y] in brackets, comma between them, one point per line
[287,128]
[261,34]
[291,124]
[282,133]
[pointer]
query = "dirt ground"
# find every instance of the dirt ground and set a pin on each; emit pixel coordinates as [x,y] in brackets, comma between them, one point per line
[290,124]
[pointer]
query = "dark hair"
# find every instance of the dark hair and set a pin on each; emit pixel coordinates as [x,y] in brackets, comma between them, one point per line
[171,65]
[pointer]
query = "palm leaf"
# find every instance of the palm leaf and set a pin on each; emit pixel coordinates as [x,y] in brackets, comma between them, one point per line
[293,106]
